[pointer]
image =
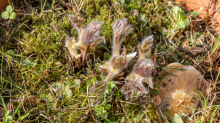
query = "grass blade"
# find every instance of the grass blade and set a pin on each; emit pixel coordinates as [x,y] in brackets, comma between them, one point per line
[13,115]
[3,104]
[216,79]
[173,68]
[213,116]
[13,83]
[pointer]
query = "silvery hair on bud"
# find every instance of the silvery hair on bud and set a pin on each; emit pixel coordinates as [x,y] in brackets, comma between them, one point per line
[91,32]
[148,39]
[144,67]
[120,29]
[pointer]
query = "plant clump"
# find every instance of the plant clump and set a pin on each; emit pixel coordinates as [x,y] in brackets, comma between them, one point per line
[141,71]
[117,62]
[88,36]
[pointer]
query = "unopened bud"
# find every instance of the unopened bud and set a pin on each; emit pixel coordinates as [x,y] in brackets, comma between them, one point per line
[120,29]
[118,62]
[145,47]
[91,33]
[144,67]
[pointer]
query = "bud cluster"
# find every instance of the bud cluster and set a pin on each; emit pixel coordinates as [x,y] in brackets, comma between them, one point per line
[141,71]
[117,62]
[88,36]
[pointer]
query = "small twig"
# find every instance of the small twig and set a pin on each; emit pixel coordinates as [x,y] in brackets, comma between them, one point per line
[76,5]
[49,85]
[197,65]
[55,28]
[24,14]
[45,57]
[48,118]
[28,5]
[22,24]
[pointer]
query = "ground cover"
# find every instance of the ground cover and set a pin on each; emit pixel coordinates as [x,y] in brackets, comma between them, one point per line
[40,82]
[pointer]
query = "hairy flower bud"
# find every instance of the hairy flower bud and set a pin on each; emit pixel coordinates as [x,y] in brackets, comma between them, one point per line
[120,29]
[91,33]
[130,86]
[141,71]
[128,89]
[118,62]
[145,47]
[144,67]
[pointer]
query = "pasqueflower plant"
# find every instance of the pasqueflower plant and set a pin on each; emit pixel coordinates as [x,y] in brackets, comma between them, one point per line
[141,72]
[90,36]
[87,37]
[116,63]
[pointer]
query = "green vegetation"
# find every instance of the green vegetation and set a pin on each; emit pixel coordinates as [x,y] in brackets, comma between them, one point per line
[9,13]
[40,83]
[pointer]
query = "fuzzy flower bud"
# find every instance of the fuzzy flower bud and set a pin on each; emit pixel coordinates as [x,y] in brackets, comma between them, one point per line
[118,62]
[141,71]
[144,67]
[128,89]
[121,29]
[145,47]
[90,35]
[130,86]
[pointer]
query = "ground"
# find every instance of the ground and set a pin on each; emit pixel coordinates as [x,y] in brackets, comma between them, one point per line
[41,83]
